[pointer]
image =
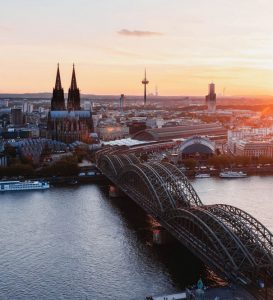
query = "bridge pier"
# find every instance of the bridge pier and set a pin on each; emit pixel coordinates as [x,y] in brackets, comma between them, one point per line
[113,191]
[161,236]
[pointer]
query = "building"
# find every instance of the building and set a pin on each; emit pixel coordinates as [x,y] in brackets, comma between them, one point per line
[27,107]
[121,102]
[212,130]
[108,132]
[253,148]
[73,101]
[17,117]
[57,101]
[3,160]
[197,146]
[33,148]
[211,99]
[29,131]
[69,124]
[136,126]
[248,141]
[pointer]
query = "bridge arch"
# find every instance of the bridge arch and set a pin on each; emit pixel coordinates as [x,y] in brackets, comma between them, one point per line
[213,241]
[112,164]
[225,237]
[139,182]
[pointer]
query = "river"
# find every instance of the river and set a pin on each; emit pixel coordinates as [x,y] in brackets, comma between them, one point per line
[76,243]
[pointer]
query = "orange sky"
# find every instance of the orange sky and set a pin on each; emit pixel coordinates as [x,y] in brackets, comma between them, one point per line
[183,44]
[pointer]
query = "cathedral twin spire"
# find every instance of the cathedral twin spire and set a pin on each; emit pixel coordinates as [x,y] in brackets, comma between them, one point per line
[73,102]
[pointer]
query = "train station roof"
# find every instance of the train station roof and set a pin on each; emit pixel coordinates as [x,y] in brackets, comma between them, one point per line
[167,133]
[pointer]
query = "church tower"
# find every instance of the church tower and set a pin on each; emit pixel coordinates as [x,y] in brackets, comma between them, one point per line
[57,101]
[73,101]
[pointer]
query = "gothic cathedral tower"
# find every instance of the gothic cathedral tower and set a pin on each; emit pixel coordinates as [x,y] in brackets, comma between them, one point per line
[57,101]
[73,101]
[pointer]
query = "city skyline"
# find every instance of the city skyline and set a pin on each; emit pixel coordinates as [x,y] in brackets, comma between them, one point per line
[183,46]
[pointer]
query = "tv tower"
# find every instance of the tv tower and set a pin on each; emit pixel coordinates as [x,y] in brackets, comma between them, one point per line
[145,82]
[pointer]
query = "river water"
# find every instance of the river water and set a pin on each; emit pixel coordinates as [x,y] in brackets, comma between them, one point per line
[76,243]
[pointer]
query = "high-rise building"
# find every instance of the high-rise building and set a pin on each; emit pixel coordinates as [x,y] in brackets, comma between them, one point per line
[211,99]
[73,101]
[24,107]
[17,117]
[121,102]
[57,101]
[27,107]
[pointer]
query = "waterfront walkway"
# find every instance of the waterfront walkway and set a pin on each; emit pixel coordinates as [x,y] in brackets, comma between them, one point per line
[227,293]
[216,293]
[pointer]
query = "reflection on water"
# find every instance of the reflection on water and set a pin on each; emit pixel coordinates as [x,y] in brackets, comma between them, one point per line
[252,194]
[76,243]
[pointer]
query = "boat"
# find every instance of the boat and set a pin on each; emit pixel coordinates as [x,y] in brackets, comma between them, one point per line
[6,186]
[202,175]
[232,174]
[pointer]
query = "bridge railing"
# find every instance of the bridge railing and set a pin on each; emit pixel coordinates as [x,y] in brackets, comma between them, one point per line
[228,239]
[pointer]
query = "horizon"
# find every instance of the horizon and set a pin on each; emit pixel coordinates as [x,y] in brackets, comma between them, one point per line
[112,43]
[253,97]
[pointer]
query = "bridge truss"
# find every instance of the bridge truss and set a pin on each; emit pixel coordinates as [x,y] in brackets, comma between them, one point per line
[224,237]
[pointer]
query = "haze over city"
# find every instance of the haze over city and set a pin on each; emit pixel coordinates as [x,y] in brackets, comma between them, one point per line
[136,149]
[183,45]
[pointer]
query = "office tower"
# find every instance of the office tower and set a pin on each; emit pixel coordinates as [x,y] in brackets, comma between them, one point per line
[121,102]
[17,117]
[211,99]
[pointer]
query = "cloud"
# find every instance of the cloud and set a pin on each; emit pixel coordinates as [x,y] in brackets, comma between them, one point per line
[138,33]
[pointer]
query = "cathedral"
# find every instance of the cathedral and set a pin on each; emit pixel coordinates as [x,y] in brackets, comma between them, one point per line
[68,123]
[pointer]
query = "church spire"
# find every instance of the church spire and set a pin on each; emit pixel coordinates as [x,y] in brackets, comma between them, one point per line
[57,101]
[58,84]
[73,80]
[74,101]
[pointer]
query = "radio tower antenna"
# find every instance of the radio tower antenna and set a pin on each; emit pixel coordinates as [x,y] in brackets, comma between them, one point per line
[145,82]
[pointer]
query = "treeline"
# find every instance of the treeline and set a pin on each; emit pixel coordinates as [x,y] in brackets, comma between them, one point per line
[24,166]
[67,166]
[16,170]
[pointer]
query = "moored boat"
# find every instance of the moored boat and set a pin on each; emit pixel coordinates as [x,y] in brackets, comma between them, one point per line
[14,185]
[232,174]
[202,175]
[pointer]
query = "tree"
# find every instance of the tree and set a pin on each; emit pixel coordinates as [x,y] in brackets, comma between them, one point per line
[10,151]
[67,166]
[220,161]
[189,163]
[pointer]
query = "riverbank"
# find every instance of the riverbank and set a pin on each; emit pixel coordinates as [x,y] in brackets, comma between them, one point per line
[212,293]
[249,170]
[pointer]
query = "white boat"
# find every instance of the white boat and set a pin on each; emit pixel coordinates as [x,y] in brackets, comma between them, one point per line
[6,186]
[202,175]
[232,174]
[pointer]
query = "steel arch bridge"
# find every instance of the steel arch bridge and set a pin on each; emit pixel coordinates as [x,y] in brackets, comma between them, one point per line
[226,238]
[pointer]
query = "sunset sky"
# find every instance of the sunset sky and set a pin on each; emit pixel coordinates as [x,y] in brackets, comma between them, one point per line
[184,44]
